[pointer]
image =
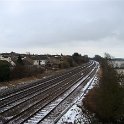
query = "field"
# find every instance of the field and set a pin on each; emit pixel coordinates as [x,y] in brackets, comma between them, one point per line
[120,70]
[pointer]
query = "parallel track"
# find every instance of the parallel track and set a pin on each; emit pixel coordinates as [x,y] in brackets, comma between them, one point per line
[21,105]
[6,100]
[41,115]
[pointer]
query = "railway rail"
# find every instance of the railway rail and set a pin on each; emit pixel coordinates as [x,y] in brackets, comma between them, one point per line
[24,104]
[32,89]
[52,112]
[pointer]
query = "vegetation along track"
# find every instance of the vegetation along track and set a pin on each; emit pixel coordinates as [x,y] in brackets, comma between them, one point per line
[23,106]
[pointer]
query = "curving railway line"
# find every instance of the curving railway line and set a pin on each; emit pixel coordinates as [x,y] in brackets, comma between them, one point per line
[40,101]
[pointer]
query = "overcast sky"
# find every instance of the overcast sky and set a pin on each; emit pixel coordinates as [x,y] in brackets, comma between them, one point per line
[62,26]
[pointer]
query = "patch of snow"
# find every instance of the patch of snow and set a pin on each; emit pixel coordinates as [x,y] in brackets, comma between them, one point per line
[4,87]
[73,116]
[7,118]
[82,74]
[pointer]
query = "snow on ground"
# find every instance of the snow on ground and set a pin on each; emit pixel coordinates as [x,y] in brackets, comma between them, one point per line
[75,114]
[120,71]
[3,87]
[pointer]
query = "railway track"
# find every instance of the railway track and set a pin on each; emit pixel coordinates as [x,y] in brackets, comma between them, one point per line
[21,105]
[17,90]
[50,113]
[34,87]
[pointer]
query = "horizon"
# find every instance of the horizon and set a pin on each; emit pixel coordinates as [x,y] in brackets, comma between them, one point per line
[29,53]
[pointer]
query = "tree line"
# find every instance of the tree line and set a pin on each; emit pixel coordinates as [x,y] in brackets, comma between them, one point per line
[21,71]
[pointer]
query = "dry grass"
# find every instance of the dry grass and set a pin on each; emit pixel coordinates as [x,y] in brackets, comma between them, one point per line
[28,79]
[90,98]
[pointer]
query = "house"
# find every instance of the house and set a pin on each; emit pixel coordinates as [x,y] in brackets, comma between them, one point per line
[54,61]
[39,60]
[8,59]
[27,61]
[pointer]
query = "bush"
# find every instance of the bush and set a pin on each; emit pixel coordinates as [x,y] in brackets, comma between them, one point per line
[4,71]
[18,72]
[21,71]
[77,58]
[107,99]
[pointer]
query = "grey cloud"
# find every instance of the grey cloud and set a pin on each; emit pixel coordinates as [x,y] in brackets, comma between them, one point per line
[51,24]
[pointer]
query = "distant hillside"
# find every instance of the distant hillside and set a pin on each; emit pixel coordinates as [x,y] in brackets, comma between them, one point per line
[118,59]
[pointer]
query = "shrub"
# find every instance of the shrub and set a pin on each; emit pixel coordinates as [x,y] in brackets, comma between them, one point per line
[4,71]
[107,99]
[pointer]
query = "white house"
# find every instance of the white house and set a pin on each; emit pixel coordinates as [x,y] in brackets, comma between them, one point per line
[39,60]
[8,59]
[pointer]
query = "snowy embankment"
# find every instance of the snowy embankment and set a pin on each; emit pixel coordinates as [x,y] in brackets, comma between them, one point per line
[75,114]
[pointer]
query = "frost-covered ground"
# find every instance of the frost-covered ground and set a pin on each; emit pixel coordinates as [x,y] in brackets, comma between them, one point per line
[3,87]
[120,71]
[73,116]
[76,115]
[118,63]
